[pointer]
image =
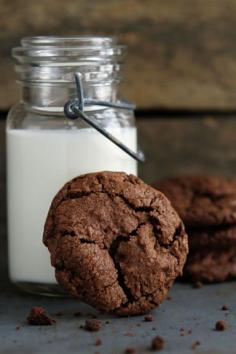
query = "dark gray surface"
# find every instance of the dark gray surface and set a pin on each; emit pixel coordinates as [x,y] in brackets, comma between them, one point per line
[191,309]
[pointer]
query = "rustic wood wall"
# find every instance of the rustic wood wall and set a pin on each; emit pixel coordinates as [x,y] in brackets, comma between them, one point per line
[182,54]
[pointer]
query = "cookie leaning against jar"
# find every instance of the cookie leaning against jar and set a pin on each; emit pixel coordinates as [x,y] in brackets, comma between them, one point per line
[207,206]
[115,242]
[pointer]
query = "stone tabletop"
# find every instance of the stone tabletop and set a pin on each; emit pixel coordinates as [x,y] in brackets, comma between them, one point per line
[187,316]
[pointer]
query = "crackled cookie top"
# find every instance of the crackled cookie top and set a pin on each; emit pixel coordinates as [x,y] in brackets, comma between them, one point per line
[202,201]
[116,243]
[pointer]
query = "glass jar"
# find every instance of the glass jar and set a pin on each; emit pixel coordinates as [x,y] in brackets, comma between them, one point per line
[45,149]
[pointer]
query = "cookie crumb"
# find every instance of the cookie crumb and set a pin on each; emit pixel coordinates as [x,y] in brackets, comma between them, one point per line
[148,318]
[129,334]
[169,298]
[92,325]
[107,322]
[220,325]
[39,317]
[98,342]
[224,308]
[157,343]
[197,285]
[17,328]
[195,345]
[130,350]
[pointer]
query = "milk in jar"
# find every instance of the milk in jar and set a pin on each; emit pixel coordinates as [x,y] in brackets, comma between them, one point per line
[45,149]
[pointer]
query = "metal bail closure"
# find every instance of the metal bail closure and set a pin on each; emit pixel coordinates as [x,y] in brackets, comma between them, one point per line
[74,109]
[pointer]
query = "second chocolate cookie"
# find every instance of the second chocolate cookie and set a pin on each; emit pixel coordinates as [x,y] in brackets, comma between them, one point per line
[207,206]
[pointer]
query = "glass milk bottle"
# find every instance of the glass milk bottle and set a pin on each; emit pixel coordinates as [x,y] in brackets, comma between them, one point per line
[45,149]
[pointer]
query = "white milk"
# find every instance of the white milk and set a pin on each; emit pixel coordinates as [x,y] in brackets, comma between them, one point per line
[39,163]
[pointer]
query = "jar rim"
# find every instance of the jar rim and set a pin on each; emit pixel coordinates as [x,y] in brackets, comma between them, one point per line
[58,40]
[75,48]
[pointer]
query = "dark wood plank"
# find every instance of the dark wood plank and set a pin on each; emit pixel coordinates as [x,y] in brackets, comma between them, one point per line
[188,146]
[182,54]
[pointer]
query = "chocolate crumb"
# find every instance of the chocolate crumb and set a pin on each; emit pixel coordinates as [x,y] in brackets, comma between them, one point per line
[39,317]
[130,350]
[190,331]
[77,314]
[195,345]
[107,322]
[17,328]
[98,342]
[220,325]
[157,343]
[169,298]
[197,285]
[148,318]
[154,328]
[129,334]
[224,308]
[92,325]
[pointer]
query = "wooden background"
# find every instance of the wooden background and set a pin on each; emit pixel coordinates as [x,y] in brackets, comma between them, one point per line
[181,53]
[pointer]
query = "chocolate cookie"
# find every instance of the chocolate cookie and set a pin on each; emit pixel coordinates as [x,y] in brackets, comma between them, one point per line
[207,206]
[211,266]
[116,243]
[202,201]
[212,255]
[212,238]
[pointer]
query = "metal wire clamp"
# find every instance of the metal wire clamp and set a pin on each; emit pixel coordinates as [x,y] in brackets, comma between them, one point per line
[74,109]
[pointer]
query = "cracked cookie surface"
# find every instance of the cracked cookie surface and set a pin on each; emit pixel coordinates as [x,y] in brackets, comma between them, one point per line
[202,200]
[115,242]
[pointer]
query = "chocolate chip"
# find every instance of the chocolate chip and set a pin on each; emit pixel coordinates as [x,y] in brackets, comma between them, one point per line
[220,326]
[224,308]
[148,318]
[157,343]
[39,317]
[92,325]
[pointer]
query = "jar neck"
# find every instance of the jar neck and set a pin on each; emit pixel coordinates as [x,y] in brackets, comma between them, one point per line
[52,98]
[46,68]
